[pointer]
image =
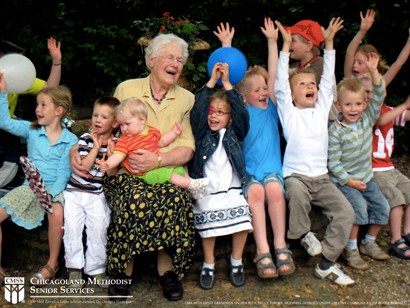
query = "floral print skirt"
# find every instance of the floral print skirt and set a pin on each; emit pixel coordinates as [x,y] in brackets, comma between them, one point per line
[148,218]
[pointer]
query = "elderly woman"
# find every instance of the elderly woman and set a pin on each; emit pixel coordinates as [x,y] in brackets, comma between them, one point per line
[147,218]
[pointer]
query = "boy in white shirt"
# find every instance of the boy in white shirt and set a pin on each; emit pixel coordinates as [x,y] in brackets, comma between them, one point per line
[304,112]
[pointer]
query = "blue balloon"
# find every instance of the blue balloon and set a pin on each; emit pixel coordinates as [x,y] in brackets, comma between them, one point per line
[236,60]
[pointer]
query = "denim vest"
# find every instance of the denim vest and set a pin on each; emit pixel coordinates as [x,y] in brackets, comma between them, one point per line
[206,141]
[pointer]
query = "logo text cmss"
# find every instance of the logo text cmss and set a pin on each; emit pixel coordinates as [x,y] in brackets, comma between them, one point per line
[14,289]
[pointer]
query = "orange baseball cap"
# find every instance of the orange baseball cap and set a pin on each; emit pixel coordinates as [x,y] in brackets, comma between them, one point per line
[310,30]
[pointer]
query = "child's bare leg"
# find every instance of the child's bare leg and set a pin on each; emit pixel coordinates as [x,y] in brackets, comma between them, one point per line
[277,214]
[374,230]
[406,227]
[354,233]
[208,246]
[238,244]
[256,200]
[180,181]
[395,220]
[55,236]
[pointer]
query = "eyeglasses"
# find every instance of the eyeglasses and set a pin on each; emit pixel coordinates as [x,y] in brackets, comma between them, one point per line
[171,59]
[218,112]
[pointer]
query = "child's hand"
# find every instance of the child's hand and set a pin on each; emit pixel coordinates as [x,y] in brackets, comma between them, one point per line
[286,35]
[335,24]
[359,185]
[110,147]
[225,34]
[372,61]
[367,21]
[54,48]
[177,129]
[97,140]
[215,75]
[2,83]
[104,167]
[269,30]
[224,69]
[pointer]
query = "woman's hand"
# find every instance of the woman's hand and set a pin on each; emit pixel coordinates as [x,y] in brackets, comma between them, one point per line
[76,163]
[143,161]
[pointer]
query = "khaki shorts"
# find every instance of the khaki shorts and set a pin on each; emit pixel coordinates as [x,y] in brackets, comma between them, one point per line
[394,185]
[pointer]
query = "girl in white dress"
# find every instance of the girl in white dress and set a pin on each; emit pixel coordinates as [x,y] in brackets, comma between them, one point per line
[220,123]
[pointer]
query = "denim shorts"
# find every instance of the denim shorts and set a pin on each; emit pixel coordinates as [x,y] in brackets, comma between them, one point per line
[370,206]
[272,177]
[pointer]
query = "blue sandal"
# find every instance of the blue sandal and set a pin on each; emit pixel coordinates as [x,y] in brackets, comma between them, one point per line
[399,252]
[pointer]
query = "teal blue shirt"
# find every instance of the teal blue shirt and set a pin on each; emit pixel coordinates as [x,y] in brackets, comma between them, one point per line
[50,159]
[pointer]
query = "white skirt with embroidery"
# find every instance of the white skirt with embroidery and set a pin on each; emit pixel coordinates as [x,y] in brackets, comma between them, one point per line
[224,211]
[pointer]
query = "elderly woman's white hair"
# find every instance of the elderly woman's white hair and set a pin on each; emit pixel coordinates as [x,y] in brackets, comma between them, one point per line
[162,40]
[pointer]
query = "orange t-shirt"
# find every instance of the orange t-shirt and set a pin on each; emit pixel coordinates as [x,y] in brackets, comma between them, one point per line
[147,140]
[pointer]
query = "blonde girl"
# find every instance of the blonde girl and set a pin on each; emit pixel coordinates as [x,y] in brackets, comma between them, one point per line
[48,144]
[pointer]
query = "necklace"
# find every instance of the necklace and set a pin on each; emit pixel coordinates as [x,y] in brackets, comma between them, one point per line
[158,100]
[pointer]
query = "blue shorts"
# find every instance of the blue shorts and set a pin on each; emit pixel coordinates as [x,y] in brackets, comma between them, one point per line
[370,206]
[273,177]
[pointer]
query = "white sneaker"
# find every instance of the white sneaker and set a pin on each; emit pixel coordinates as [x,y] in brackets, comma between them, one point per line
[311,244]
[335,274]
[7,173]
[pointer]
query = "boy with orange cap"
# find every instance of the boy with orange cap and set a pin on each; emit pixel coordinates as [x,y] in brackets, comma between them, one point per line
[307,41]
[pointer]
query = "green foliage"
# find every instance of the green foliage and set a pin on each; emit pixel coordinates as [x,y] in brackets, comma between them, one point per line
[100,49]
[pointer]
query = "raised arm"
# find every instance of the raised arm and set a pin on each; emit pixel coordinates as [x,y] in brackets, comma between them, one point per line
[396,66]
[372,61]
[366,23]
[89,159]
[394,113]
[286,35]
[271,34]
[169,137]
[225,34]
[54,48]
[336,23]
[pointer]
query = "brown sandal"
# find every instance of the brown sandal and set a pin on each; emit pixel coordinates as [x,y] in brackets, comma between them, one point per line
[39,280]
[286,262]
[261,267]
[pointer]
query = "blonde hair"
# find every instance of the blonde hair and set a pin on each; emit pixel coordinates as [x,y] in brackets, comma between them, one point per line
[134,106]
[365,77]
[350,84]
[249,75]
[296,71]
[366,49]
[60,96]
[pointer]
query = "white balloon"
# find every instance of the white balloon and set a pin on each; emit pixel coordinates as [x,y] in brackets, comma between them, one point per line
[18,71]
